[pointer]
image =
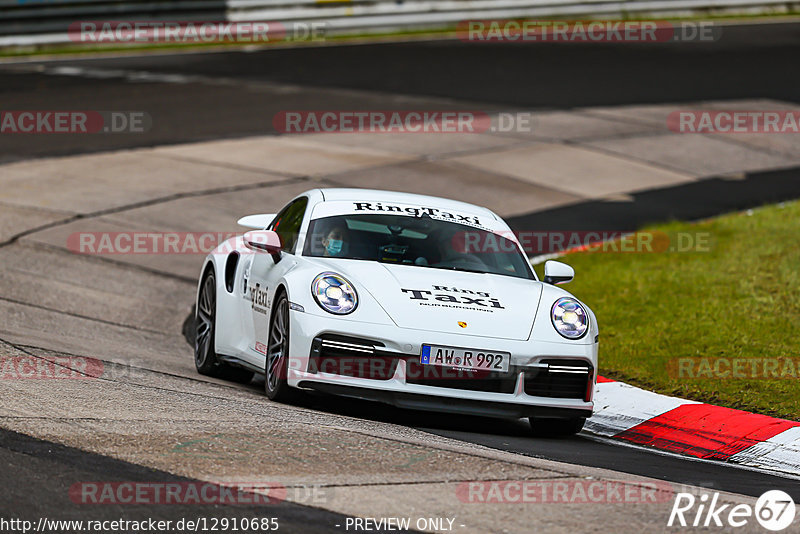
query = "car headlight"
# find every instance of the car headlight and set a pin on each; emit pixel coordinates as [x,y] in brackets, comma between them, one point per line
[334,294]
[569,318]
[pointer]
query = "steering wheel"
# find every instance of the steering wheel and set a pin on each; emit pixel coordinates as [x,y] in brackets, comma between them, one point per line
[461,260]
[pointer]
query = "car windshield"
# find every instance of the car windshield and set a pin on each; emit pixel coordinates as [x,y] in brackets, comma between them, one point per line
[416,241]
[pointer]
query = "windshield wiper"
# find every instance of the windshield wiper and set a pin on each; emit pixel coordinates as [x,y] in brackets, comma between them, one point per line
[443,267]
[454,268]
[446,268]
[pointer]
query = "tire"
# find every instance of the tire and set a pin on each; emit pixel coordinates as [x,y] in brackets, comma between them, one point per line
[553,428]
[205,357]
[277,364]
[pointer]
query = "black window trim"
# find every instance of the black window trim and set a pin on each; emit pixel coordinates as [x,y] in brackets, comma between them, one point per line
[283,211]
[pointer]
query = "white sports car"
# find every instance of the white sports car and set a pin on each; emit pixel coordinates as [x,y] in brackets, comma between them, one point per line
[420,302]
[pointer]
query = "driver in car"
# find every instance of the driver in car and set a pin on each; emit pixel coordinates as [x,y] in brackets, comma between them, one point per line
[452,248]
[335,241]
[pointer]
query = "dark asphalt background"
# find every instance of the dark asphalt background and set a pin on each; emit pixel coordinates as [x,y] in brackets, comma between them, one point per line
[515,436]
[48,470]
[235,98]
[757,61]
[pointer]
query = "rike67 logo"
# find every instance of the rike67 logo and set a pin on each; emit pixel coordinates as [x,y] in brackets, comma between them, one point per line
[774,510]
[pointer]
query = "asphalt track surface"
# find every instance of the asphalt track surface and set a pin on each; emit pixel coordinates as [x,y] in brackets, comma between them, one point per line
[50,469]
[684,202]
[515,436]
[230,94]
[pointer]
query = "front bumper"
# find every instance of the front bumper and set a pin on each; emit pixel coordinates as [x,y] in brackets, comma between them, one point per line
[523,391]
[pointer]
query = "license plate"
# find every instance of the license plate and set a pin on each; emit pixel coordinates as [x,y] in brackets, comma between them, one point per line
[487,360]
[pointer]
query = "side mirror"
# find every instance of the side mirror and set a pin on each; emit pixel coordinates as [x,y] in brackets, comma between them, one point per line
[259,222]
[264,241]
[556,272]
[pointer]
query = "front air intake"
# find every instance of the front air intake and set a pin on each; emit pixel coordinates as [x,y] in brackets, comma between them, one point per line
[560,379]
[353,357]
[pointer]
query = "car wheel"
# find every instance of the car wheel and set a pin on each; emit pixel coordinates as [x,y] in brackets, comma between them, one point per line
[205,357]
[277,364]
[551,428]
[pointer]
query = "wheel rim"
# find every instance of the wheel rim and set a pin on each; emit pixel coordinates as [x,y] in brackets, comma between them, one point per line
[278,345]
[205,322]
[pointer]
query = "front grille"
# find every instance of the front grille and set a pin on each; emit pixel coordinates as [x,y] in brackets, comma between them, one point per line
[561,379]
[353,357]
[446,377]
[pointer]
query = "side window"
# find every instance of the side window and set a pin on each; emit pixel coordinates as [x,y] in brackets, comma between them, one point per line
[287,223]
